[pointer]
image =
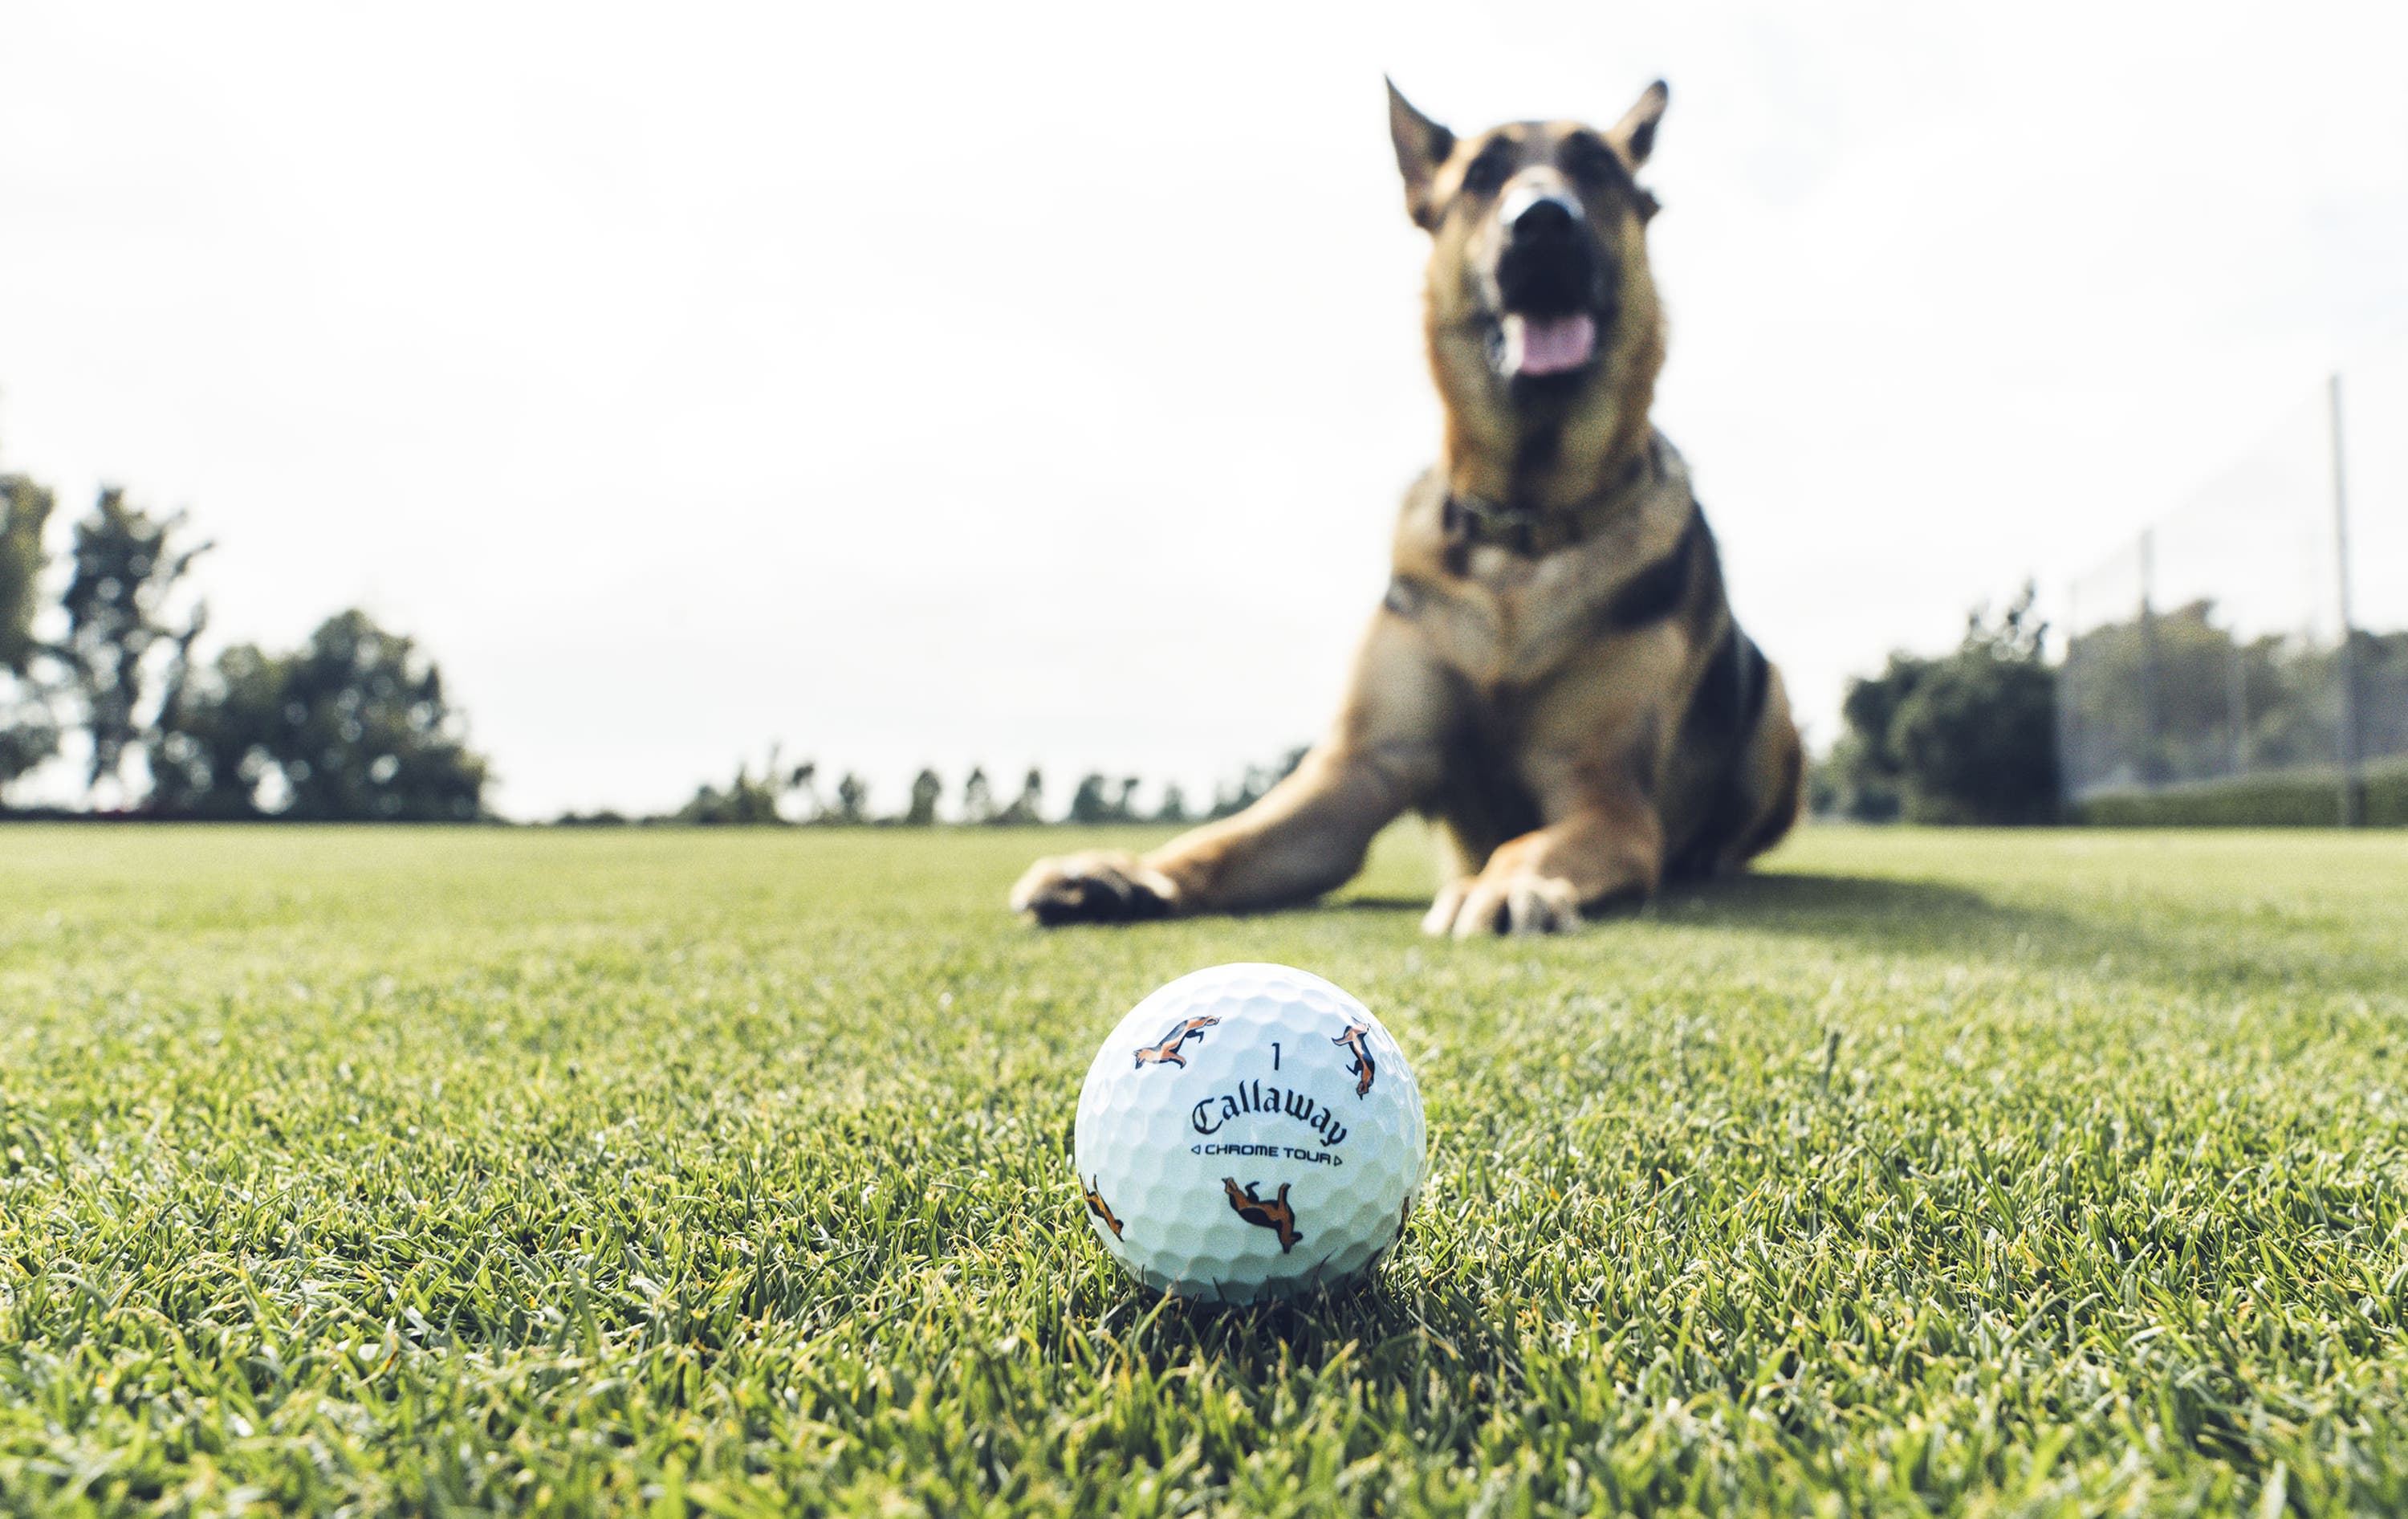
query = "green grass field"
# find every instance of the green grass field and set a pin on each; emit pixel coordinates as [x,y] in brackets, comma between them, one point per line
[1982,1173]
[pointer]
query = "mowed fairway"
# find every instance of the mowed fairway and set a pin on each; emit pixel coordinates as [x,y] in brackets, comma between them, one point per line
[1985,1173]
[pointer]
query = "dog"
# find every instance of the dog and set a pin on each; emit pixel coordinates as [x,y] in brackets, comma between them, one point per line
[1359,1064]
[1554,676]
[1102,1209]
[1271,1213]
[1167,1052]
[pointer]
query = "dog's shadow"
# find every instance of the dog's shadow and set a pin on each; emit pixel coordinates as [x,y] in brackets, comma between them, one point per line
[1879,912]
[1915,918]
[1884,912]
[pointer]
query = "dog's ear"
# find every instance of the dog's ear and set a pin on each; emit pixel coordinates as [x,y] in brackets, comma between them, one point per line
[1422,145]
[1635,133]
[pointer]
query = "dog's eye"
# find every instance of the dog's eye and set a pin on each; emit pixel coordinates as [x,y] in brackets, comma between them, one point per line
[1589,161]
[1487,175]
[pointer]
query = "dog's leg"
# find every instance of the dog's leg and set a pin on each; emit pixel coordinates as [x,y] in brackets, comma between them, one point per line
[1307,835]
[1778,762]
[1608,844]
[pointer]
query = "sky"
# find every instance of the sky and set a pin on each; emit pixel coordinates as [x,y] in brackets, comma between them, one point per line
[1025,385]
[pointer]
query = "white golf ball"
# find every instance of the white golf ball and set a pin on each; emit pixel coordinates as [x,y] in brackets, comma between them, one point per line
[1249,1131]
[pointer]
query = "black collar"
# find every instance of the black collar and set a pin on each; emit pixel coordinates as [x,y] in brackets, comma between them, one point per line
[1535,532]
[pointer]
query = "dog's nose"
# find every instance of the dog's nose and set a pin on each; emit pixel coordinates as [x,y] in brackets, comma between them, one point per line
[1533,215]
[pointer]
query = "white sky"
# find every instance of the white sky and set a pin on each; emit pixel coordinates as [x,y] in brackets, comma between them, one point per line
[927,385]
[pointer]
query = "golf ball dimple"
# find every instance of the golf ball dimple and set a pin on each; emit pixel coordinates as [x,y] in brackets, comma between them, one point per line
[1249,1131]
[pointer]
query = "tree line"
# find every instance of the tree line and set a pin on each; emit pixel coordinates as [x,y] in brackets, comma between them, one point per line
[99,664]
[782,794]
[98,667]
[1976,736]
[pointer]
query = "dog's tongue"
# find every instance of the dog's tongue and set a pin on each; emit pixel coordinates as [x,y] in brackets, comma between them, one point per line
[1548,345]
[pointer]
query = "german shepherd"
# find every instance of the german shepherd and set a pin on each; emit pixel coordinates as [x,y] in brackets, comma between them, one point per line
[1167,1052]
[1271,1213]
[1359,1062]
[1554,676]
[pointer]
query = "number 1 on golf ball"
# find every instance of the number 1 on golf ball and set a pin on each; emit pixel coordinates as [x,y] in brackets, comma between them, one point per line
[1249,1131]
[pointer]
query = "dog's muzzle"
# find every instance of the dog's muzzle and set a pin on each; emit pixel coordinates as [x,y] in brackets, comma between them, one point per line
[1534,215]
[1547,284]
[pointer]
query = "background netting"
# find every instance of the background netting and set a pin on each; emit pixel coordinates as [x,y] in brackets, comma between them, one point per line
[2210,650]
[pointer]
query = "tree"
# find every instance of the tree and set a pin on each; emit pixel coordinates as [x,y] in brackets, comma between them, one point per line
[24,510]
[1969,739]
[1088,804]
[370,734]
[1867,778]
[1099,800]
[124,654]
[609,817]
[1173,807]
[746,802]
[220,740]
[1858,779]
[926,790]
[750,802]
[851,799]
[29,729]
[1978,742]
[1028,808]
[1257,781]
[353,727]
[977,798]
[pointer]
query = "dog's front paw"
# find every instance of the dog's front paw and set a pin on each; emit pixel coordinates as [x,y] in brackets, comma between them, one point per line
[1099,887]
[1504,902]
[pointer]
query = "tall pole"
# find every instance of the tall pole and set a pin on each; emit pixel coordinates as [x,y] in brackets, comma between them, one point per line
[2153,769]
[2236,703]
[2353,779]
[2070,770]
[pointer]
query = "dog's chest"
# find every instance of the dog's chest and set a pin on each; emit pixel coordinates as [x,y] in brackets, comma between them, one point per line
[1508,621]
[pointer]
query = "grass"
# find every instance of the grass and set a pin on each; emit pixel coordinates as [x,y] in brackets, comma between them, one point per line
[726,1172]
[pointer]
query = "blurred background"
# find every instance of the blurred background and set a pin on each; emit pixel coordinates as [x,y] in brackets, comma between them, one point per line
[924,390]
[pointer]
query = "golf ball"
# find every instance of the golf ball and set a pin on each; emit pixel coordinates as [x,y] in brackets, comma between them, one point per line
[1249,1131]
